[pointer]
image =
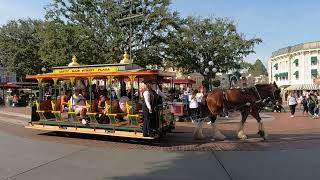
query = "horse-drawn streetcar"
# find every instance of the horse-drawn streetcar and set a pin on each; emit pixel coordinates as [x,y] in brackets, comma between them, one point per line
[85,100]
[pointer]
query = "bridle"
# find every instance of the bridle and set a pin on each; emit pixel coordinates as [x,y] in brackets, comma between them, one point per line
[273,98]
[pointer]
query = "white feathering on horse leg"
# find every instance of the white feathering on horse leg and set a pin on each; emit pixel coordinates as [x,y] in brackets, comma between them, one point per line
[197,133]
[216,134]
[241,134]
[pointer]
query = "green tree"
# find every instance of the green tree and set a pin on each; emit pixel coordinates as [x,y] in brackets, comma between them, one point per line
[245,65]
[92,29]
[200,41]
[19,46]
[258,69]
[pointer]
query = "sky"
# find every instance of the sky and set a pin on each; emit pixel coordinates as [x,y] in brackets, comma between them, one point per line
[278,23]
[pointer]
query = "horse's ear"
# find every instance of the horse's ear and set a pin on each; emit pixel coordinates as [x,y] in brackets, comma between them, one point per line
[274,83]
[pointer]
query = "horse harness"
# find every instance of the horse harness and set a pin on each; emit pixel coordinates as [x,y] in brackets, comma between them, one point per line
[255,92]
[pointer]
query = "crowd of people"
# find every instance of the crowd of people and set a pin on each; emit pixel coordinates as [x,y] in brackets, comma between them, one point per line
[191,99]
[309,103]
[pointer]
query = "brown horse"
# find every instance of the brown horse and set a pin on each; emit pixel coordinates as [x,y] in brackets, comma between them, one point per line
[247,101]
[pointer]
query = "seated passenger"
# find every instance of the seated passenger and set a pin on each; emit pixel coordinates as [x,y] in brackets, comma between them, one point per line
[114,94]
[85,94]
[122,103]
[64,101]
[101,103]
[79,105]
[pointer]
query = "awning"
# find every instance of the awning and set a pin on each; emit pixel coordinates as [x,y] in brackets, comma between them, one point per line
[314,72]
[303,87]
[311,87]
[184,81]
[276,75]
[284,74]
[7,86]
[296,61]
[275,65]
[296,73]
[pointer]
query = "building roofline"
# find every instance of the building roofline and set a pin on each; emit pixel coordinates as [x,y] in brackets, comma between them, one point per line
[297,47]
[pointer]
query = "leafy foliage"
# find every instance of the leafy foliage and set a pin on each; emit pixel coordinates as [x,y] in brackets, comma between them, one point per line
[200,41]
[98,32]
[258,69]
[19,45]
[93,30]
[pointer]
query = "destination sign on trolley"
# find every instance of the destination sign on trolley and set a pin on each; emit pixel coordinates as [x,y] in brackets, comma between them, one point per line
[85,70]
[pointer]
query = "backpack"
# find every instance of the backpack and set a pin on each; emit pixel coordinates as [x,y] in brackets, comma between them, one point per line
[312,101]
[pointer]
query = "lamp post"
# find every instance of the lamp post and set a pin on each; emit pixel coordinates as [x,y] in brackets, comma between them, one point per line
[213,73]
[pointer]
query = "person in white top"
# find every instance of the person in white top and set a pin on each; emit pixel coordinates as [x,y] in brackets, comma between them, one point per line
[148,109]
[193,104]
[199,96]
[292,102]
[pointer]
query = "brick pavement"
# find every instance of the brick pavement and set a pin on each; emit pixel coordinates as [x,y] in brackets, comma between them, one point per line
[284,133]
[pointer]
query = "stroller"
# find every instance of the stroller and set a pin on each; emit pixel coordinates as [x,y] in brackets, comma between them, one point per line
[277,107]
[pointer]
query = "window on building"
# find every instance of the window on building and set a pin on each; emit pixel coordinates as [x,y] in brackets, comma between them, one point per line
[314,73]
[314,60]
[296,62]
[276,66]
[296,74]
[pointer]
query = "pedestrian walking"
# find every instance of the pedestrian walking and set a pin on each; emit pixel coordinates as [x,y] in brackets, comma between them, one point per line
[312,103]
[15,100]
[292,102]
[304,104]
[193,105]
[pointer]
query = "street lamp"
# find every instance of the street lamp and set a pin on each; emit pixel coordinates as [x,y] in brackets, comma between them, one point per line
[201,60]
[214,70]
[43,69]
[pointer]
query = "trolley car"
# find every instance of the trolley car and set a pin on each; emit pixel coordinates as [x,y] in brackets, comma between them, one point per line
[122,121]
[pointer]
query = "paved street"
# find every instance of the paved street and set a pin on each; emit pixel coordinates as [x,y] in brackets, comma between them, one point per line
[290,154]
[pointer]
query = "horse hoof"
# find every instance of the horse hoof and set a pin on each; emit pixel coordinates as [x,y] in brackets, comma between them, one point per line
[219,137]
[263,135]
[242,136]
[222,138]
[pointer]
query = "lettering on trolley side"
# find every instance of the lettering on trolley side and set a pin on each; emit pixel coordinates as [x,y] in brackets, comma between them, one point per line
[85,70]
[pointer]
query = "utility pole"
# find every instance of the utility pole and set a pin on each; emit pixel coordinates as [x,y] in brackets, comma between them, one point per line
[130,18]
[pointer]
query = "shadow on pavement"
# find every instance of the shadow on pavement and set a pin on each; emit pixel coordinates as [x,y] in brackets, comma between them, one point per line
[182,140]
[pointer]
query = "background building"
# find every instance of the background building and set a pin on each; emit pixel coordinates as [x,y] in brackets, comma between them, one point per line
[295,67]
[7,76]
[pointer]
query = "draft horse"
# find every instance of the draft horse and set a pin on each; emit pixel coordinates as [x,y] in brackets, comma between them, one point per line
[248,101]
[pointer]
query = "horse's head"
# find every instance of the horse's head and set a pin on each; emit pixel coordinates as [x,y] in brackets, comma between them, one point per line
[276,93]
[269,92]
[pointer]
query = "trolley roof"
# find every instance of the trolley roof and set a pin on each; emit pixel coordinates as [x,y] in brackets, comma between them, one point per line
[100,71]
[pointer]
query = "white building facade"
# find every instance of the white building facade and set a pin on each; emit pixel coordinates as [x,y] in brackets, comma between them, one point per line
[295,67]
